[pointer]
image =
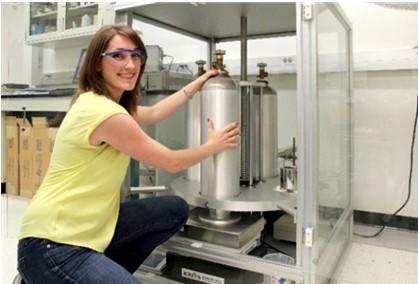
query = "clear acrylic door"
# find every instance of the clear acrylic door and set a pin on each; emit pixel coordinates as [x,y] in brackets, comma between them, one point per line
[326,137]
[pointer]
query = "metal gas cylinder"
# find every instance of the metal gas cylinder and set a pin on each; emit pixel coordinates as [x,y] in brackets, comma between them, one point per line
[193,125]
[265,128]
[220,101]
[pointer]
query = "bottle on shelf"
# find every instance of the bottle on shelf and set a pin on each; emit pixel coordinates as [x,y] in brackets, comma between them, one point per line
[86,20]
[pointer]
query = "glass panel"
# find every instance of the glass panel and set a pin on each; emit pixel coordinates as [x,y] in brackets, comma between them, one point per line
[43,18]
[280,48]
[167,51]
[333,194]
[326,264]
[179,52]
[81,14]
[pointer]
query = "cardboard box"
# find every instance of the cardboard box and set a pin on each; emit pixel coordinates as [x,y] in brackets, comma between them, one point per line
[12,155]
[41,149]
[26,164]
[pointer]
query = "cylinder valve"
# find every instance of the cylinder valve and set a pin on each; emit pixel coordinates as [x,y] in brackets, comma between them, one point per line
[200,67]
[262,71]
[219,59]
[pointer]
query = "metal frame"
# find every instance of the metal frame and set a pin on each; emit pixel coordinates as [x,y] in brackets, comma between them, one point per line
[308,257]
[308,156]
[247,262]
[306,80]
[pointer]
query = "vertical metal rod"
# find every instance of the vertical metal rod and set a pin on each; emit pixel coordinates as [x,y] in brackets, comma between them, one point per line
[251,137]
[245,137]
[294,151]
[246,119]
[243,48]
[211,52]
[261,132]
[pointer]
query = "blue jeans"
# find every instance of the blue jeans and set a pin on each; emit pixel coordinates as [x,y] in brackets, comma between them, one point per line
[142,225]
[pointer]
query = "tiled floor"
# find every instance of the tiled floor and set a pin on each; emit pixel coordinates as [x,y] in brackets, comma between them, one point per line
[12,209]
[390,258]
[390,238]
[370,264]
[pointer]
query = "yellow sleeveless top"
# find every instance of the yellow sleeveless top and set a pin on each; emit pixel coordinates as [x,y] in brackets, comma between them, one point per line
[78,200]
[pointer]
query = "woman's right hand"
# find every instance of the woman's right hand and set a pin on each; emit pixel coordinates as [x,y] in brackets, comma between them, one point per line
[227,137]
[205,76]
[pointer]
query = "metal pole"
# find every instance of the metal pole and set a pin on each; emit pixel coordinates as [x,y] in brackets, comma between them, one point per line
[243,48]
[246,144]
[261,133]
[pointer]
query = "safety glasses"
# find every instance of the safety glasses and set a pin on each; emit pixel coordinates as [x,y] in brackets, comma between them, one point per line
[122,55]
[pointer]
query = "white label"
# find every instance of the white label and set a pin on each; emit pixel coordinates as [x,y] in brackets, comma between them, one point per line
[201,277]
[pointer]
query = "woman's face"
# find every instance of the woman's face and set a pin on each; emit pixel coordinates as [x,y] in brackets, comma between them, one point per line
[120,66]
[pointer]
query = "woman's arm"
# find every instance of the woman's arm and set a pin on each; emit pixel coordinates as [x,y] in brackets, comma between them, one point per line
[123,133]
[166,107]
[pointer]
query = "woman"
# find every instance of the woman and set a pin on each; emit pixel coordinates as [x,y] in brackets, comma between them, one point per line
[75,229]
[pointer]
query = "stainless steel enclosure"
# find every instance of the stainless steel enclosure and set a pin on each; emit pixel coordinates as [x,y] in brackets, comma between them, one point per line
[322,206]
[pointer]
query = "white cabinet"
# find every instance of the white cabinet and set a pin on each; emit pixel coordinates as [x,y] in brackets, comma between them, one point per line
[48,22]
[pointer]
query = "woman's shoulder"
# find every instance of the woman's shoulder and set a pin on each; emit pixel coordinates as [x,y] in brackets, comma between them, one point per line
[95,100]
[92,96]
[90,106]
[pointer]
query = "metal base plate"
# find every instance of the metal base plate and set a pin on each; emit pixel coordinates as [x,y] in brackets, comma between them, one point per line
[232,218]
[236,235]
[262,197]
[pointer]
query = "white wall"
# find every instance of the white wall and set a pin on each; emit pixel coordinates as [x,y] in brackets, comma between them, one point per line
[15,54]
[384,107]
[380,28]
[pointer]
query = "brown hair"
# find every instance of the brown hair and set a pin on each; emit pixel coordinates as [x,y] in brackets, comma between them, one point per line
[91,78]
